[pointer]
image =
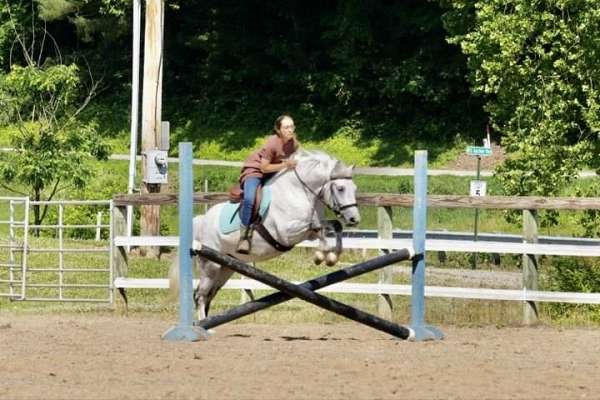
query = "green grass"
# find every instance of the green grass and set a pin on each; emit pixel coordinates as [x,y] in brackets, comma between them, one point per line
[293,266]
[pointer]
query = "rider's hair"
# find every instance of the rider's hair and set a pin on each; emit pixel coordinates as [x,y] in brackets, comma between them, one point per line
[277,125]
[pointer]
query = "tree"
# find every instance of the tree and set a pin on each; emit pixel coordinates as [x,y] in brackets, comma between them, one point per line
[536,65]
[42,96]
[382,69]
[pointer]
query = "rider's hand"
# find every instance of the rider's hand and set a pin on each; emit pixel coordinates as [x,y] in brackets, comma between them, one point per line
[290,164]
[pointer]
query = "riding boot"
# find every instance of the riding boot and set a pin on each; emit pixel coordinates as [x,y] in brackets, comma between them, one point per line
[245,244]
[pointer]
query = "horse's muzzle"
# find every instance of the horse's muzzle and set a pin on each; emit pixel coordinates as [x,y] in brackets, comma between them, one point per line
[352,221]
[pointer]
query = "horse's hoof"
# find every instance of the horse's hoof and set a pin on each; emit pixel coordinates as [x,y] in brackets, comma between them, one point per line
[331,259]
[319,257]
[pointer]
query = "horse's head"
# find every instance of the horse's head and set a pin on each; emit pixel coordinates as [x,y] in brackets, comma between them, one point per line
[341,195]
[330,180]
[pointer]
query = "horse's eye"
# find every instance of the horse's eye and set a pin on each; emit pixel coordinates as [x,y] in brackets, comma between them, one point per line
[341,188]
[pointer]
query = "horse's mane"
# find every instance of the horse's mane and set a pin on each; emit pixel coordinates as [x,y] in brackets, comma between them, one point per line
[318,159]
[315,155]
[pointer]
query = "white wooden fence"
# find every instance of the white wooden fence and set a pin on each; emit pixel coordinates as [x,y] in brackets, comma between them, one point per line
[529,248]
[393,289]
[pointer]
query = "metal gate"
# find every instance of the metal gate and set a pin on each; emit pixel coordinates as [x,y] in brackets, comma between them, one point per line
[13,241]
[67,258]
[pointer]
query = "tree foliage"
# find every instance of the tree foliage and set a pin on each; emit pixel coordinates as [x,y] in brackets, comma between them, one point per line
[382,69]
[43,98]
[535,63]
[381,66]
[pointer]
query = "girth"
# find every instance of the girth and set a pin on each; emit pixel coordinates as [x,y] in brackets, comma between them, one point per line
[262,231]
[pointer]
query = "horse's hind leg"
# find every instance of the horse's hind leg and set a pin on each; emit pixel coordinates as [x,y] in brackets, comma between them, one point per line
[212,277]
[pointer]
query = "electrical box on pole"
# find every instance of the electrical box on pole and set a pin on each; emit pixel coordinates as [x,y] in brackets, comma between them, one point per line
[155,160]
[156,166]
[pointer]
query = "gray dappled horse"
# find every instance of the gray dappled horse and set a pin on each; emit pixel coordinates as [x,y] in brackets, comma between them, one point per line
[296,213]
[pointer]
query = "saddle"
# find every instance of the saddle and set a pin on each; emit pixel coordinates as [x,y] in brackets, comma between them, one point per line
[236,194]
[229,220]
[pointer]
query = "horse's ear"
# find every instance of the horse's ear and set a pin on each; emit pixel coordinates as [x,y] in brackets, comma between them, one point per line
[351,170]
[341,171]
[337,170]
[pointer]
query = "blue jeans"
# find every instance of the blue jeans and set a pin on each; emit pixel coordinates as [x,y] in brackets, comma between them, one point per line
[250,186]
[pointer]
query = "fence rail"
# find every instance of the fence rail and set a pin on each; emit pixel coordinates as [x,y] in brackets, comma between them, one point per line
[528,247]
[381,171]
[394,289]
[399,200]
[449,245]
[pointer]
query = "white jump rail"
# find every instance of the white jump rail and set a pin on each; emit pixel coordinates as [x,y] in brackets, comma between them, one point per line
[394,289]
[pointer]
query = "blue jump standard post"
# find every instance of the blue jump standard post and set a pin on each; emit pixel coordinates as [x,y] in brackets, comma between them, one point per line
[185,330]
[417,311]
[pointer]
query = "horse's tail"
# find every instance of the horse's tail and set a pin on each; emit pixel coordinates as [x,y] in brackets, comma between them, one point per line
[173,295]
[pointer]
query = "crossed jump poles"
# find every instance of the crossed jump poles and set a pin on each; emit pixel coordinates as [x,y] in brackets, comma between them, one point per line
[189,330]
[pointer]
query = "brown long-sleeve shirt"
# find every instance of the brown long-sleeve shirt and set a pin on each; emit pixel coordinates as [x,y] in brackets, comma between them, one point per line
[273,150]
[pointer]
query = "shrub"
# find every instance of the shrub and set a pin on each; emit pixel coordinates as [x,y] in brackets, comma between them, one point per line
[574,275]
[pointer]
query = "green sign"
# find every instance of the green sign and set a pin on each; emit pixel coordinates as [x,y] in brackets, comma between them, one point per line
[479,151]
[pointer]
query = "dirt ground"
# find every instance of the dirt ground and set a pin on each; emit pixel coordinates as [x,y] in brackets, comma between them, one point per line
[106,357]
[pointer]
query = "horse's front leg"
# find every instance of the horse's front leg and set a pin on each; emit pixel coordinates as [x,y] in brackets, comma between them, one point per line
[324,252]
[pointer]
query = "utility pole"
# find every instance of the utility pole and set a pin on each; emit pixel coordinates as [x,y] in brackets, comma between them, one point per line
[152,111]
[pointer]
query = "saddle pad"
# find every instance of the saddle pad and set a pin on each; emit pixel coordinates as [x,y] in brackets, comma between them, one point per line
[229,220]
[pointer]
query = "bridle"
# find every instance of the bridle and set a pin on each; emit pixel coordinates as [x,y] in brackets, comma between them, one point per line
[336,207]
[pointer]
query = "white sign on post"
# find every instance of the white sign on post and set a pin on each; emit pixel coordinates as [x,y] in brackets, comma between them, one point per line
[478,188]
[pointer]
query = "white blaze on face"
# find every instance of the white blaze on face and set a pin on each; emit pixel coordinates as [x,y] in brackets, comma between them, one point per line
[344,191]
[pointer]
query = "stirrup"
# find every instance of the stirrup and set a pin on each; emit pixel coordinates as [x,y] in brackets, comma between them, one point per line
[243,246]
[245,243]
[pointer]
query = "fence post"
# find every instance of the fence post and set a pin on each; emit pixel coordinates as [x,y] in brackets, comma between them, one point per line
[384,231]
[205,192]
[99,225]
[530,265]
[120,260]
